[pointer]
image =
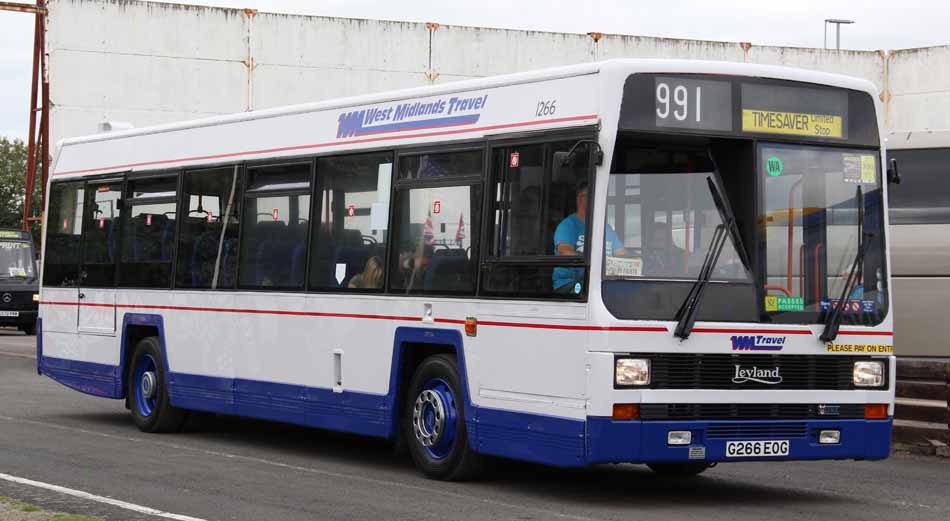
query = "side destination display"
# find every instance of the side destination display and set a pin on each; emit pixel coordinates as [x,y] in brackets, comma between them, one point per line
[747,107]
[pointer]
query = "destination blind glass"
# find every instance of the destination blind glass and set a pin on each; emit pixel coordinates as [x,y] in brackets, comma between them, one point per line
[747,107]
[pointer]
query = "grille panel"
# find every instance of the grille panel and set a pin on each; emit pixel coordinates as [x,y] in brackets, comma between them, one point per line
[716,371]
[749,411]
[19,300]
[719,431]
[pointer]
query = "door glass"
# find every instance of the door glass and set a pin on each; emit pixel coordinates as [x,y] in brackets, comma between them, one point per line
[101,234]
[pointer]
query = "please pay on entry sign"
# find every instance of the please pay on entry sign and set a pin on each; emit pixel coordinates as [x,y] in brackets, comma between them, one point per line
[791,123]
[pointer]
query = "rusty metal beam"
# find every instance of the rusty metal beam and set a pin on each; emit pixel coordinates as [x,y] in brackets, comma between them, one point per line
[22,8]
[31,148]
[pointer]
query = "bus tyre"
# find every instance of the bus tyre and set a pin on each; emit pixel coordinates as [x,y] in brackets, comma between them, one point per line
[147,390]
[433,422]
[29,329]
[679,470]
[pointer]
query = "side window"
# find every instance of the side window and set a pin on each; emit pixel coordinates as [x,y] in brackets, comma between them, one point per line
[63,232]
[436,226]
[276,222]
[101,233]
[540,222]
[924,195]
[148,244]
[352,213]
[208,237]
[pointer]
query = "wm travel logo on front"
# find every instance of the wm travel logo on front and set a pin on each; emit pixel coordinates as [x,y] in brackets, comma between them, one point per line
[757,343]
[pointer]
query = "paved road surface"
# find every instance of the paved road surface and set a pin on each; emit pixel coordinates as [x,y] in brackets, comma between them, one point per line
[235,469]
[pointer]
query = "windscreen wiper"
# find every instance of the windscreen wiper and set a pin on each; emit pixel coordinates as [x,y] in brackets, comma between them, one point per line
[835,313]
[686,316]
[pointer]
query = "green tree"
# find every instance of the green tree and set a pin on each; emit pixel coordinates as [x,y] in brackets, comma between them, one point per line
[12,180]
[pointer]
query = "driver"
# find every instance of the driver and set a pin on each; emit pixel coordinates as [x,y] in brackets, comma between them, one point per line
[569,238]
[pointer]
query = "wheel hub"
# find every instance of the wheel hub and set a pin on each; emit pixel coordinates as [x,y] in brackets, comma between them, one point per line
[148,384]
[428,418]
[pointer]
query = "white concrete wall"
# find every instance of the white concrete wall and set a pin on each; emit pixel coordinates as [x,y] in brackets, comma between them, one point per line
[149,63]
[919,82]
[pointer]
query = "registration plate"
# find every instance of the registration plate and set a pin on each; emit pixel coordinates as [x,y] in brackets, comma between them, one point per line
[756,449]
[9,313]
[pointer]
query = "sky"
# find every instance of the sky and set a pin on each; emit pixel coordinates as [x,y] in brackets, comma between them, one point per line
[879,24]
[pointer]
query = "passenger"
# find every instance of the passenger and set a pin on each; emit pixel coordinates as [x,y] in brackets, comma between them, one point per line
[371,277]
[413,266]
[569,239]
[661,257]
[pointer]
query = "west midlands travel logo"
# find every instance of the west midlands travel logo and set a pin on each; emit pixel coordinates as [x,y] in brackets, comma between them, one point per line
[448,112]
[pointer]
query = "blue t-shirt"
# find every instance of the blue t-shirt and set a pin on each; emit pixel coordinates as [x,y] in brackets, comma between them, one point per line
[571,231]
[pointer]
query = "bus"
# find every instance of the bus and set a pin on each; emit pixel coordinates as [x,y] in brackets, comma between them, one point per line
[919,209]
[19,281]
[675,263]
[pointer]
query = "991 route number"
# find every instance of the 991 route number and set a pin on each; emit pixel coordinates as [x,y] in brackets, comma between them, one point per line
[753,449]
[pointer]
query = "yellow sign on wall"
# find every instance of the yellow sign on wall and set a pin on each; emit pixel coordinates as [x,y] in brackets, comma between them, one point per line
[791,123]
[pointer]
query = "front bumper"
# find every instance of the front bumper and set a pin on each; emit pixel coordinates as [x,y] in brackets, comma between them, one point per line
[612,441]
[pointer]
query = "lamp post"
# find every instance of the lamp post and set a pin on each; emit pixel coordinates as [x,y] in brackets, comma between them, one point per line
[837,22]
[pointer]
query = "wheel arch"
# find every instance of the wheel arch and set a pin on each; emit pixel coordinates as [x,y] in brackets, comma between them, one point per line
[412,345]
[135,327]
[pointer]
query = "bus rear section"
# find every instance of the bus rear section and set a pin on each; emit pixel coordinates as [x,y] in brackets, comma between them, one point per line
[750,217]
[19,283]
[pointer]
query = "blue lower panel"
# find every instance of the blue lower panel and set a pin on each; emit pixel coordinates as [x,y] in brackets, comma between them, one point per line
[635,441]
[530,437]
[87,377]
[360,413]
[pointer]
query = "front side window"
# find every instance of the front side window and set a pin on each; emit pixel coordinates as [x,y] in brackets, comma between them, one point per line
[813,199]
[540,217]
[63,231]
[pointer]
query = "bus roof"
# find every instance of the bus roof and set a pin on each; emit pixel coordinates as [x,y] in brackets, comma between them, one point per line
[133,157]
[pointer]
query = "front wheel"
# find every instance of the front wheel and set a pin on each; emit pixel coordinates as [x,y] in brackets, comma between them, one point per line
[148,392]
[29,329]
[433,422]
[679,470]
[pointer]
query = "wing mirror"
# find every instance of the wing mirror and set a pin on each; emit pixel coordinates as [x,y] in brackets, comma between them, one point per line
[893,175]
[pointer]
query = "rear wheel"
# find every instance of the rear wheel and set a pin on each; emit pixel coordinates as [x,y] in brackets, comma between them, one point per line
[679,470]
[148,391]
[433,422]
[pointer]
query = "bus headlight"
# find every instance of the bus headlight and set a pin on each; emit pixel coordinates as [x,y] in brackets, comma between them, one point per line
[868,373]
[36,297]
[632,371]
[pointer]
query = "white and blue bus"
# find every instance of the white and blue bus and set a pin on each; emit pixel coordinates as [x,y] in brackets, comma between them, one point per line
[675,263]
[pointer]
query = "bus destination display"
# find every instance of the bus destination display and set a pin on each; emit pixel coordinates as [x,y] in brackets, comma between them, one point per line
[748,107]
[693,103]
[794,111]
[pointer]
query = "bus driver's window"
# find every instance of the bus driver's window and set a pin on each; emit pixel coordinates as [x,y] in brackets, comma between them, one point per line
[569,239]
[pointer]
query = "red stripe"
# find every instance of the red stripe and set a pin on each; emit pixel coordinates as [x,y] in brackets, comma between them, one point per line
[491,323]
[753,331]
[332,143]
[867,333]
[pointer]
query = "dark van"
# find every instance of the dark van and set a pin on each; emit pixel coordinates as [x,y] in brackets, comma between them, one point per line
[19,281]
